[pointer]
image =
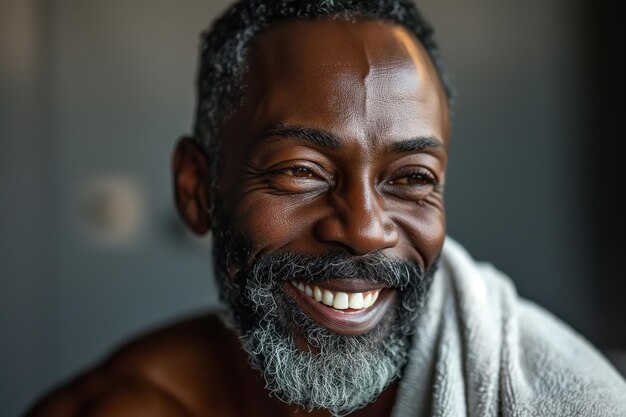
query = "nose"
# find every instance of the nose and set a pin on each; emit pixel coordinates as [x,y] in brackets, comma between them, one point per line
[358,222]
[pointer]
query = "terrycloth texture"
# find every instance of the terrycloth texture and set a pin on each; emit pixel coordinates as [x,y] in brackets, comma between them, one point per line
[479,350]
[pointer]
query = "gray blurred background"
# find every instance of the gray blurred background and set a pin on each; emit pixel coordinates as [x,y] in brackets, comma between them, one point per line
[93,95]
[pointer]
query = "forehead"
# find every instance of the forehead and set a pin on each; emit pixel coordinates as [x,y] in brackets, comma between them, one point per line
[363,80]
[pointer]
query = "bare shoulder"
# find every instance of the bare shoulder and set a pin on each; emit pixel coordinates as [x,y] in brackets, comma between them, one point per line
[100,395]
[173,371]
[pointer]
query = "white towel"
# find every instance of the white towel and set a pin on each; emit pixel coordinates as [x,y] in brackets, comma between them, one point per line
[480,350]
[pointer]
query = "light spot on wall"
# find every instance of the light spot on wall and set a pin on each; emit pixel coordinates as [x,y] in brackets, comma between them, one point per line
[111,210]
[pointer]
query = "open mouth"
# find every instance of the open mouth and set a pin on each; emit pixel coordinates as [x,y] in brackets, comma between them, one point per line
[348,307]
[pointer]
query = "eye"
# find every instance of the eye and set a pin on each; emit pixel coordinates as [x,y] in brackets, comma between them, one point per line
[298,172]
[412,183]
[298,179]
[416,178]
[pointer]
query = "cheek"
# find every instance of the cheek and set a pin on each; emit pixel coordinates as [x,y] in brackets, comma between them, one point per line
[425,231]
[272,222]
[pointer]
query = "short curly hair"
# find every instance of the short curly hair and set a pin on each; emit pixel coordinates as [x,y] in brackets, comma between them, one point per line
[225,48]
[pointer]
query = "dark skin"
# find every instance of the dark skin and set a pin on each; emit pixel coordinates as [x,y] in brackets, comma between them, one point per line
[341,143]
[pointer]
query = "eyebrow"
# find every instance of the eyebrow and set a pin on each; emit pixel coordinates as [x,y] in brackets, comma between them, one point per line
[312,136]
[416,144]
[324,139]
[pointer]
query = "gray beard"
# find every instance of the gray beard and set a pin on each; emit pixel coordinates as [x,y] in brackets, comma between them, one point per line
[345,372]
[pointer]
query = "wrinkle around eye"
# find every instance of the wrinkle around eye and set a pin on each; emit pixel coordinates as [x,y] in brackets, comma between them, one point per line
[427,194]
[281,180]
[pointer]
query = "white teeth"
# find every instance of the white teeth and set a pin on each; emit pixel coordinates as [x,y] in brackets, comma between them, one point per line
[317,293]
[356,300]
[367,301]
[328,298]
[341,301]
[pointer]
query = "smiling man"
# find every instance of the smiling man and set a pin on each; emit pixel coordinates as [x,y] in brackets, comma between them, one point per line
[318,163]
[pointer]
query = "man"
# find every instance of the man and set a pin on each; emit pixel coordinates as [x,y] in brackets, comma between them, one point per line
[318,163]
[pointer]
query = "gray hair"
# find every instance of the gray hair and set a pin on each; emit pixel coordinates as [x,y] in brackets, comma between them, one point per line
[344,373]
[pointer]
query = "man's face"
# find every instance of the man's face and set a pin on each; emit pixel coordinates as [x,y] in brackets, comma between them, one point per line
[372,87]
[330,204]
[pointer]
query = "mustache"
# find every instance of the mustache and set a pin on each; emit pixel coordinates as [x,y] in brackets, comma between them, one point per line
[376,268]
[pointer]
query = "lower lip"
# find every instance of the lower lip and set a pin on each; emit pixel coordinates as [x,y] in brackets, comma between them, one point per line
[345,322]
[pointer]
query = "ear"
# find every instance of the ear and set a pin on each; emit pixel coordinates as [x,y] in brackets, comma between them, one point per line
[190,166]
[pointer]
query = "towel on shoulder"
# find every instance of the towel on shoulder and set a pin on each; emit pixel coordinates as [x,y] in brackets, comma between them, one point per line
[480,350]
